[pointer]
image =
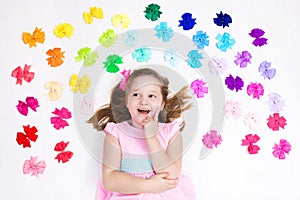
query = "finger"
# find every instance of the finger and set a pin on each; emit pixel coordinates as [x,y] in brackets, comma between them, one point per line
[154,112]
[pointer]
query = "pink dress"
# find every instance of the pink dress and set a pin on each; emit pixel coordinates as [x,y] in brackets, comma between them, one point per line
[135,160]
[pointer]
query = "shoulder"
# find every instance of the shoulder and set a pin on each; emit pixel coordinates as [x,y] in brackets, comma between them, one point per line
[113,129]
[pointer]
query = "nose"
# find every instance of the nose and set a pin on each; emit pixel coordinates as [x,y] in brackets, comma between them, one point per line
[144,101]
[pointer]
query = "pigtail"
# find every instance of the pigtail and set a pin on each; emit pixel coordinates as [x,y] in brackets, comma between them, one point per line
[101,117]
[176,104]
[115,112]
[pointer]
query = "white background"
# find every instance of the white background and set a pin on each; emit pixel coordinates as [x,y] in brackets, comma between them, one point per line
[228,173]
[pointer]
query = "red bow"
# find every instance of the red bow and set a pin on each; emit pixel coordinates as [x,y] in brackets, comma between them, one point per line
[20,74]
[64,156]
[29,135]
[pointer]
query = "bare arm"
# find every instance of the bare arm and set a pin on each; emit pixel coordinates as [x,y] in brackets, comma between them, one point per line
[117,181]
[166,161]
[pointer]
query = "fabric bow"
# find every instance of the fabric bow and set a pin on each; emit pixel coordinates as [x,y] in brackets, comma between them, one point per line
[34,167]
[125,73]
[64,156]
[255,89]
[30,135]
[212,139]
[59,121]
[79,84]
[199,88]
[276,121]
[30,102]
[94,12]
[281,149]
[37,36]
[21,74]
[250,141]
[55,90]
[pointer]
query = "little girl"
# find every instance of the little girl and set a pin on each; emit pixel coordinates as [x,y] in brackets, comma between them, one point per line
[142,152]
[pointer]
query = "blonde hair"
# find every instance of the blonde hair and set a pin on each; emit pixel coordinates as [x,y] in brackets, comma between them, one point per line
[116,111]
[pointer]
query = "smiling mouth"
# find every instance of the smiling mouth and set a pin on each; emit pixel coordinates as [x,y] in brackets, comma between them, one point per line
[143,111]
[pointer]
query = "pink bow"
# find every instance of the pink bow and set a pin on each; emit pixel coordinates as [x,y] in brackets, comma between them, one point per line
[20,74]
[34,167]
[30,102]
[283,148]
[249,141]
[255,89]
[125,73]
[59,121]
[276,121]
[211,139]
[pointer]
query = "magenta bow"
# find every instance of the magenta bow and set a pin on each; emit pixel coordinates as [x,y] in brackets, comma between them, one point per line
[255,89]
[211,139]
[199,88]
[249,141]
[125,73]
[30,102]
[281,149]
[22,74]
[34,167]
[59,121]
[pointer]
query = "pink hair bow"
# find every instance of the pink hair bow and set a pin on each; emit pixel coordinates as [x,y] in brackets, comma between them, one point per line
[30,102]
[255,89]
[281,149]
[21,74]
[34,167]
[63,156]
[276,121]
[212,139]
[249,141]
[59,121]
[125,73]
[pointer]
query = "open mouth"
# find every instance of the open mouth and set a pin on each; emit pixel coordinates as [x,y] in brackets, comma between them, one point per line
[144,111]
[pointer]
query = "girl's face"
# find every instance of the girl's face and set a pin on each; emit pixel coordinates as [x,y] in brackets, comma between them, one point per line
[144,99]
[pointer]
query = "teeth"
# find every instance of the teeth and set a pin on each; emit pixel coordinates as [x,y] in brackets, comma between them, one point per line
[144,110]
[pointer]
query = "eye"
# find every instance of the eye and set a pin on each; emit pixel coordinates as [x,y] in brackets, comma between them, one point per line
[152,96]
[136,94]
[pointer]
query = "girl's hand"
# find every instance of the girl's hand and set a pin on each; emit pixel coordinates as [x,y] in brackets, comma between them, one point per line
[159,183]
[150,123]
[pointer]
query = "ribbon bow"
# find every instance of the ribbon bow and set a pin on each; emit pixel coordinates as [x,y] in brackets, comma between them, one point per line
[281,149]
[29,135]
[34,167]
[211,139]
[249,141]
[59,121]
[37,36]
[81,84]
[30,102]
[125,73]
[94,12]
[21,74]
[64,156]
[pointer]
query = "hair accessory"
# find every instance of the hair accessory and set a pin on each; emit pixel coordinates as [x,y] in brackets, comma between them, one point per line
[250,141]
[30,135]
[63,156]
[34,167]
[37,36]
[211,139]
[94,12]
[59,121]
[187,21]
[125,73]
[281,149]
[30,102]
[222,19]
[64,30]
[56,57]
[21,74]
